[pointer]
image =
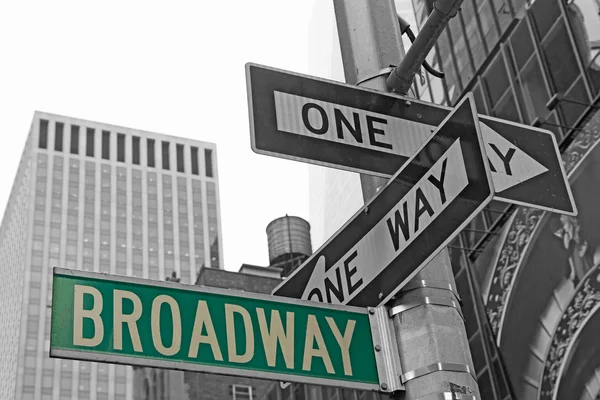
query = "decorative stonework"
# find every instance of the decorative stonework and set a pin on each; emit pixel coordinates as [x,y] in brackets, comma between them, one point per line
[524,226]
[517,239]
[583,302]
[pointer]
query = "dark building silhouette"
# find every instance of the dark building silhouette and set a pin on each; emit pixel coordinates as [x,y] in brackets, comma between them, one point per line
[533,62]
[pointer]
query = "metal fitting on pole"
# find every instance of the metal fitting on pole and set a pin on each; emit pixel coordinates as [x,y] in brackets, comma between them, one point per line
[401,78]
[431,333]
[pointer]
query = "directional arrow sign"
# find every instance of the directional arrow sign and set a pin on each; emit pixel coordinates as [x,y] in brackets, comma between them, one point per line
[337,125]
[422,207]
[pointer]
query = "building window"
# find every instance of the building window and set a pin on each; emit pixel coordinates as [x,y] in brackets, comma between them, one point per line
[89,144]
[496,80]
[43,134]
[121,147]
[180,158]
[165,155]
[560,58]
[507,108]
[74,139]
[194,154]
[150,152]
[208,162]
[521,44]
[544,14]
[58,136]
[135,150]
[241,392]
[330,393]
[106,145]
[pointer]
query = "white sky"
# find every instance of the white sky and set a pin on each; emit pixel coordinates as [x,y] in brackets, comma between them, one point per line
[173,67]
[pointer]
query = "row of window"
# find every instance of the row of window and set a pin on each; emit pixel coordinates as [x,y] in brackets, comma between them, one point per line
[136,144]
[65,386]
[527,62]
[545,51]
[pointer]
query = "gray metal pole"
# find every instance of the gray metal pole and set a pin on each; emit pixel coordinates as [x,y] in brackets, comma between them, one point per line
[432,341]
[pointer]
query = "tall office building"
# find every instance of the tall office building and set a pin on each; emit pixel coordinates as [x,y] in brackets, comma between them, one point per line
[100,198]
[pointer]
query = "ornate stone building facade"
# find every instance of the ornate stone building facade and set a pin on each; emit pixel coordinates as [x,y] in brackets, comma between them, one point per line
[534,62]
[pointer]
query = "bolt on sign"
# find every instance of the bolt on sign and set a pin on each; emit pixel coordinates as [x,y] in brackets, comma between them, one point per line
[117,319]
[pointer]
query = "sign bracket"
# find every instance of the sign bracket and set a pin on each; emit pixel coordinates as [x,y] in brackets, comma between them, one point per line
[385,346]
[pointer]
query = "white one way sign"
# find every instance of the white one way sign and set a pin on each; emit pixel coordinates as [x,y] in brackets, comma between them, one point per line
[299,115]
[336,125]
[431,198]
[423,203]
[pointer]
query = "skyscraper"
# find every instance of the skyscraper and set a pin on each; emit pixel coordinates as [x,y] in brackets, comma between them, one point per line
[100,198]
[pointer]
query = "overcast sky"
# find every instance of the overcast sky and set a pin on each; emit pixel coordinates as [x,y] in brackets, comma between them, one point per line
[170,67]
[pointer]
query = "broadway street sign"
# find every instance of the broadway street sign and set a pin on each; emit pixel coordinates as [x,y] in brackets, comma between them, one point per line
[337,125]
[117,319]
[418,212]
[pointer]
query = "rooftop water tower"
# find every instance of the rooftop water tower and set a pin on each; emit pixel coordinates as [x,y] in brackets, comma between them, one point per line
[289,243]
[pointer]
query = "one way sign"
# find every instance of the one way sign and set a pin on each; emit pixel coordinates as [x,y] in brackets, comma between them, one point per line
[337,125]
[425,204]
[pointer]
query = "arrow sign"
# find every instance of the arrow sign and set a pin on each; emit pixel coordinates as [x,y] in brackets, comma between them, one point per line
[423,206]
[356,129]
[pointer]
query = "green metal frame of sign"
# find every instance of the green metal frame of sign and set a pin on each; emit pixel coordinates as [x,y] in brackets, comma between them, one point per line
[126,320]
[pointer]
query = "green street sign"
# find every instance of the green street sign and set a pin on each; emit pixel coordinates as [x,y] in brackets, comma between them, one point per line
[118,319]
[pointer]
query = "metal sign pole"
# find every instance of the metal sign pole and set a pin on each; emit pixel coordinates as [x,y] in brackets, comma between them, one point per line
[431,338]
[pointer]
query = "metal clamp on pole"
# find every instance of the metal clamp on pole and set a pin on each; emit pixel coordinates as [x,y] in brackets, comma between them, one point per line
[368,77]
[433,284]
[448,396]
[452,367]
[438,301]
[401,78]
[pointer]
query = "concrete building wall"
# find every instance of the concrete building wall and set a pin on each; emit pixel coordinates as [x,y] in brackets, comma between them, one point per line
[13,255]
